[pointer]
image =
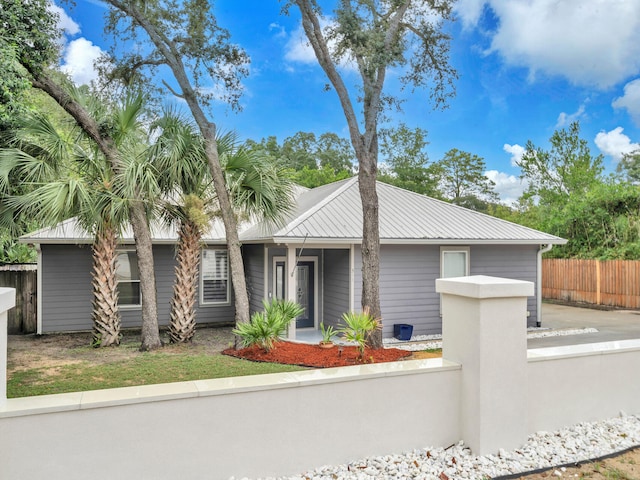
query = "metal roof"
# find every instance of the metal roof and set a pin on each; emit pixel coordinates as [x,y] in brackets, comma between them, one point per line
[333,214]
[70,231]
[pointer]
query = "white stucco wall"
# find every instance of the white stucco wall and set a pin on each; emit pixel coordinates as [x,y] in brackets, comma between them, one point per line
[280,424]
[258,426]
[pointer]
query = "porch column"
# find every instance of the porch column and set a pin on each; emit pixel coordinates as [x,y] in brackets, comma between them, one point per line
[484,328]
[7,302]
[292,285]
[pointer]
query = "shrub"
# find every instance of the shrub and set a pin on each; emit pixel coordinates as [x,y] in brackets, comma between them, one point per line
[266,327]
[358,326]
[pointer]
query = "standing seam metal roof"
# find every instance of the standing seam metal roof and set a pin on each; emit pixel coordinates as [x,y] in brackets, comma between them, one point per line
[334,213]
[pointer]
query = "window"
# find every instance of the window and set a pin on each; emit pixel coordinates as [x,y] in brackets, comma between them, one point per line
[454,262]
[215,278]
[128,278]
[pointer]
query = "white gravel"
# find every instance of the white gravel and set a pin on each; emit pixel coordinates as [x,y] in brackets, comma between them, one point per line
[430,342]
[542,450]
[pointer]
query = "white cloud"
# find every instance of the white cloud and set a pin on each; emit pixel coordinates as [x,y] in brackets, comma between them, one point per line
[509,187]
[615,143]
[79,56]
[469,11]
[590,42]
[630,100]
[65,22]
[516,152]
[565,119]
[298,49]
[279,29]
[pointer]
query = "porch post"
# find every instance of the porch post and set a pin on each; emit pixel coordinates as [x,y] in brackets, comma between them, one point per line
[292,284]
[7,302]
[484,328]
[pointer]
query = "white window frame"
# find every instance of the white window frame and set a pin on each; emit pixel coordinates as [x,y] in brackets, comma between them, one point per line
[209,303]
[274,290]
[129,305]
[465,250]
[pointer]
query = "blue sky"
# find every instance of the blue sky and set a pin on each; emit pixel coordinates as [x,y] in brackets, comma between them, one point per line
[526,67]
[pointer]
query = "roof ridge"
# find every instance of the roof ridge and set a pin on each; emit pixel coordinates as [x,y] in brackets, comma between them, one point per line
[308,213]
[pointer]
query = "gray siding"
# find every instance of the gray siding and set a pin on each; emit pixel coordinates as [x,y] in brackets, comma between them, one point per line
[66,290]
[408,274]
[407,288]
[254,268]
[508,261]
[336,285]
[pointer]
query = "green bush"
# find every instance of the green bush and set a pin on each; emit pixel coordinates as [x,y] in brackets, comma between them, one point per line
[266,327]
[358,326]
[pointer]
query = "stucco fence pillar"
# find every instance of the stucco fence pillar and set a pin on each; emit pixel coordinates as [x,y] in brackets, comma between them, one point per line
[7,302]
[484,328]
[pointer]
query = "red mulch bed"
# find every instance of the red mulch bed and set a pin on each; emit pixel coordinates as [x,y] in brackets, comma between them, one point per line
[313,356]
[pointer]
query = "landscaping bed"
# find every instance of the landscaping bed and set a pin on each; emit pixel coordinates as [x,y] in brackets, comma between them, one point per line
[306,355]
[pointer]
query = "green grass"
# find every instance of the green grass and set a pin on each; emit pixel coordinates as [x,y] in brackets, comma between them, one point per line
[146,369]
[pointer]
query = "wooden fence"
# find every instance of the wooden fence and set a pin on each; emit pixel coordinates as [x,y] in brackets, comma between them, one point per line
[614,283]
[24,278]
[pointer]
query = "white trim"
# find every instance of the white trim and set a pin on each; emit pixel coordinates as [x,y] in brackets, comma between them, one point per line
[352,279]
[541,250]
[465,250]
[39,292]
[207,304]
[275,260]
[315,290]
[330,242]
[265,274]
[288,282]
[129,306]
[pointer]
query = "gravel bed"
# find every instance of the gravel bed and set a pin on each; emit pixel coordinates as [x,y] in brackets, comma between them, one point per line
[542,450]
[430,342]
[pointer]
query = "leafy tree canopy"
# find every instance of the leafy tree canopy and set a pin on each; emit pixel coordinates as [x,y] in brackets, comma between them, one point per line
[406,163]
[629,166]
[567,168]
[463,181]
[27,44]
[186,33]
[312,161]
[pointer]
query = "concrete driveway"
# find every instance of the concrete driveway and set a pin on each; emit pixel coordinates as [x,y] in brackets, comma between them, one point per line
[611,325]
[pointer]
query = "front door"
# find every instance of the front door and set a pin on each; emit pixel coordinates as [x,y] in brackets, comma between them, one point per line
[305,294]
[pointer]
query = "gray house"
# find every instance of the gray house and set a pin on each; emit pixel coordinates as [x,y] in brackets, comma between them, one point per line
[314,259]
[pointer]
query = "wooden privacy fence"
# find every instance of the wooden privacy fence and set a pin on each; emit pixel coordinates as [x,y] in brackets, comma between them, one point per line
[24,278]
[614,283]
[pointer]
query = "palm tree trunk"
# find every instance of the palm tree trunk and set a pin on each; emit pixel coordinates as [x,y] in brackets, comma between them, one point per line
[105,314]
[182,324]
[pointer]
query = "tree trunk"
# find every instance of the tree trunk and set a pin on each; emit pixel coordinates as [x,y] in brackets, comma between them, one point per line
[105,314]
[230,224]
[370,243]
[182,325]
[150,335]
[138,218]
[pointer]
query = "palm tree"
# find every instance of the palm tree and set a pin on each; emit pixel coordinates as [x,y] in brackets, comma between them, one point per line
[102,195]
[69,179]
[257,188]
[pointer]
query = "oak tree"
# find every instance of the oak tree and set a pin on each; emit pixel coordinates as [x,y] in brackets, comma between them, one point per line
[374,36]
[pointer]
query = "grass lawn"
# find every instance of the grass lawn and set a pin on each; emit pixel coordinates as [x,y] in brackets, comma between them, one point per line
[66,363]
[60,363]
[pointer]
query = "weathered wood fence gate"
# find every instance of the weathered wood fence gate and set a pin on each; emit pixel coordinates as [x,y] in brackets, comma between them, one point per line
[614,283]
[24,278]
